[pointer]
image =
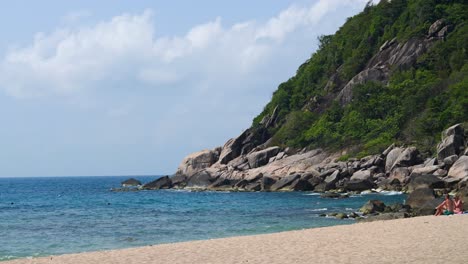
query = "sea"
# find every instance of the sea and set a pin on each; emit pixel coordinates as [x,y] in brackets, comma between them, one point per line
[42,216]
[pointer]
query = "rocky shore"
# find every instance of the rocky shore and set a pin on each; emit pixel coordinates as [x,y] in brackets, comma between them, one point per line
[241,166]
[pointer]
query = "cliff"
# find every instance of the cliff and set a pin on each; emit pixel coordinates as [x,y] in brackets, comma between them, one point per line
[364,112]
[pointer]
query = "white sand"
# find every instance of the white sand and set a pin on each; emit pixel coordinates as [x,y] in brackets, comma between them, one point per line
[429,239]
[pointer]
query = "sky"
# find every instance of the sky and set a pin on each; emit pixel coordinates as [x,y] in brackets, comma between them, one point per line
[132,87]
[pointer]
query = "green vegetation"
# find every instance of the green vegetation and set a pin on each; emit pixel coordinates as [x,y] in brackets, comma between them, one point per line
[415,105]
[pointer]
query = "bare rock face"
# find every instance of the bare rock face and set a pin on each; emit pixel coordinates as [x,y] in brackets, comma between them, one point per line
[452,142]
[197,161]
[436,27]
[459,169]
[391,55]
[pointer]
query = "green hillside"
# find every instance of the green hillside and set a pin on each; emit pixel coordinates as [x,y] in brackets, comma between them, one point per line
[412,105]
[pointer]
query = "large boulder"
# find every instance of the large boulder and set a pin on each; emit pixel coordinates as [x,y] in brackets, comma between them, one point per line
[333,178]
[362,175]
[300,185]
[260,158]
[452,142]
[421,198]
[358,185]
[409,157]
[417,181]
[425,170]
[459,169]
[284,182]
[179,181]
[392,156]
[201,179]
[161,183]
[399,174]
[266,183]
[131,182]
[197,161]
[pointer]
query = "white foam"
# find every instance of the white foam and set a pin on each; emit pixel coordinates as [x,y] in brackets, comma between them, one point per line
[318,209]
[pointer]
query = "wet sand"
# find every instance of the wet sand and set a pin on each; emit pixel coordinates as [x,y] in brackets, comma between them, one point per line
[428,239]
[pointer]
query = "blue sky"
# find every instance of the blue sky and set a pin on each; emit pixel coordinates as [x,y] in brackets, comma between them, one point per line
[131,87]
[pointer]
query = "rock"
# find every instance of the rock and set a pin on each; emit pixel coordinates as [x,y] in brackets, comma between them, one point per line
[243,144]
[241,184]
[323,187]
[131,182]
[161,183]
[201,180]
[361,175]
[443,32]
[417,181]
[435,27]
[430,162]
[386,216]
[372,206]
[425,170]
[358,185]
[409,157]
[450,160]
[266,183]
[260,158]
[400,174]
[396,56]
[280,155]
[420,197]
[459,169]
[222,183]
[197,161]
[353,215]
[392,156]
[452,142]
[333,178]
[301,185]
[327,173]
[387,150]
[341,216]
[440,173]
[253,187]
[179,181]
[285,181]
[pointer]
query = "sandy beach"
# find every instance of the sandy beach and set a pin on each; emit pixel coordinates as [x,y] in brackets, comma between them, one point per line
[414,240]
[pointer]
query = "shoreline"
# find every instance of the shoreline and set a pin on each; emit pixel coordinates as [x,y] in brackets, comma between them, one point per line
[410,240]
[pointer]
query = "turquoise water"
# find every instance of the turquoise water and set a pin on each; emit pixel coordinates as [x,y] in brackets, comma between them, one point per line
[44,216]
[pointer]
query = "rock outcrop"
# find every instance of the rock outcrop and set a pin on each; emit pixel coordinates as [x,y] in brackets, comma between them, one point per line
[392,55]
[131,182]
[452,142]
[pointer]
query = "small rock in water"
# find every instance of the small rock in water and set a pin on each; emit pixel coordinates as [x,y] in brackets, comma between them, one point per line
[341,216]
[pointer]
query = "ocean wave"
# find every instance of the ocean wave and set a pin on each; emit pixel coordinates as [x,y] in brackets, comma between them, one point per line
[313,194]
[318,209]
[391,192]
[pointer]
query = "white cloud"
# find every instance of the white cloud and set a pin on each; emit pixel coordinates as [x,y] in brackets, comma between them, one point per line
[71,60]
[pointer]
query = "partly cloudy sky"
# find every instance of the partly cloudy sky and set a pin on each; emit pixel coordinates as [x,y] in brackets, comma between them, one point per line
[131,87]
